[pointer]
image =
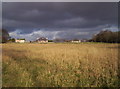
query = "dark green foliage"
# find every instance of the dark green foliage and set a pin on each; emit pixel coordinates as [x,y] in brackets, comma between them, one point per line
[50,40]
[107,36]
[12,40]
[22,39]
[4,36]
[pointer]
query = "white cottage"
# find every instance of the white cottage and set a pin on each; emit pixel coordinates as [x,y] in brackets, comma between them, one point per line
[76,41]
[20,40]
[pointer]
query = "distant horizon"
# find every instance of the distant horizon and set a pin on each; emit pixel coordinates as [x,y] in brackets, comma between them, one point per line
[64,38]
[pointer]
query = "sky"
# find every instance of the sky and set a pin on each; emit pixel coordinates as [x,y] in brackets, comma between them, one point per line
[66,20]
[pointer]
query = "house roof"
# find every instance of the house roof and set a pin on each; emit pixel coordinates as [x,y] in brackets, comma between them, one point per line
[42,38]
[75,40]
[20,39]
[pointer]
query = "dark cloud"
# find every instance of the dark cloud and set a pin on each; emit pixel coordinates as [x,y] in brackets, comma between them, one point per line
[58,16]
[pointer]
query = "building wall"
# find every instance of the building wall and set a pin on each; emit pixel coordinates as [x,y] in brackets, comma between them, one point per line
[76,41]
[20,41]
[42,41]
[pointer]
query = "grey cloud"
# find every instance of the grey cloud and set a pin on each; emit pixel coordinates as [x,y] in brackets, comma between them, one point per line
[59,16]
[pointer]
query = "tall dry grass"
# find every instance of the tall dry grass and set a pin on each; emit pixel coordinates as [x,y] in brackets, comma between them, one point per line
[60,65]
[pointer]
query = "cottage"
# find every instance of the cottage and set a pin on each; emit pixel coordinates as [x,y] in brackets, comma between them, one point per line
[42,40]
[20,40]
[76,41]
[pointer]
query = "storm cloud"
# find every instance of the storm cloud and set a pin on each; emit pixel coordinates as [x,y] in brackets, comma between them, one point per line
[58,19]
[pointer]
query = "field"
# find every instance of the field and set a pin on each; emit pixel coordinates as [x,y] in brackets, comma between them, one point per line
[60,65]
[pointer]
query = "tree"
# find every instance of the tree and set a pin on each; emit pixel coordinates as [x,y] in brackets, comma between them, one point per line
[12,40]
[107,36]
[50,40]
[4,36]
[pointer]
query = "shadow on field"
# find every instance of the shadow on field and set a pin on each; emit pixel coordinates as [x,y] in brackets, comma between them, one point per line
[19,55]
[115,47]
[20,65]
[14,54]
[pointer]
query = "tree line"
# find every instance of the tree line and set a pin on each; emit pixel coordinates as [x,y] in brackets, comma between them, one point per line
[106,36]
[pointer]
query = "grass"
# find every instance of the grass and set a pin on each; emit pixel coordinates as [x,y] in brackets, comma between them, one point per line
[60,65]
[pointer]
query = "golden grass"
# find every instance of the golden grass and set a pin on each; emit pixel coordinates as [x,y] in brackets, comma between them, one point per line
[60,65]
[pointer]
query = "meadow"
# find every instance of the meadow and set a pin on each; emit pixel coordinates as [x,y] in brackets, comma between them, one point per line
[60,65]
